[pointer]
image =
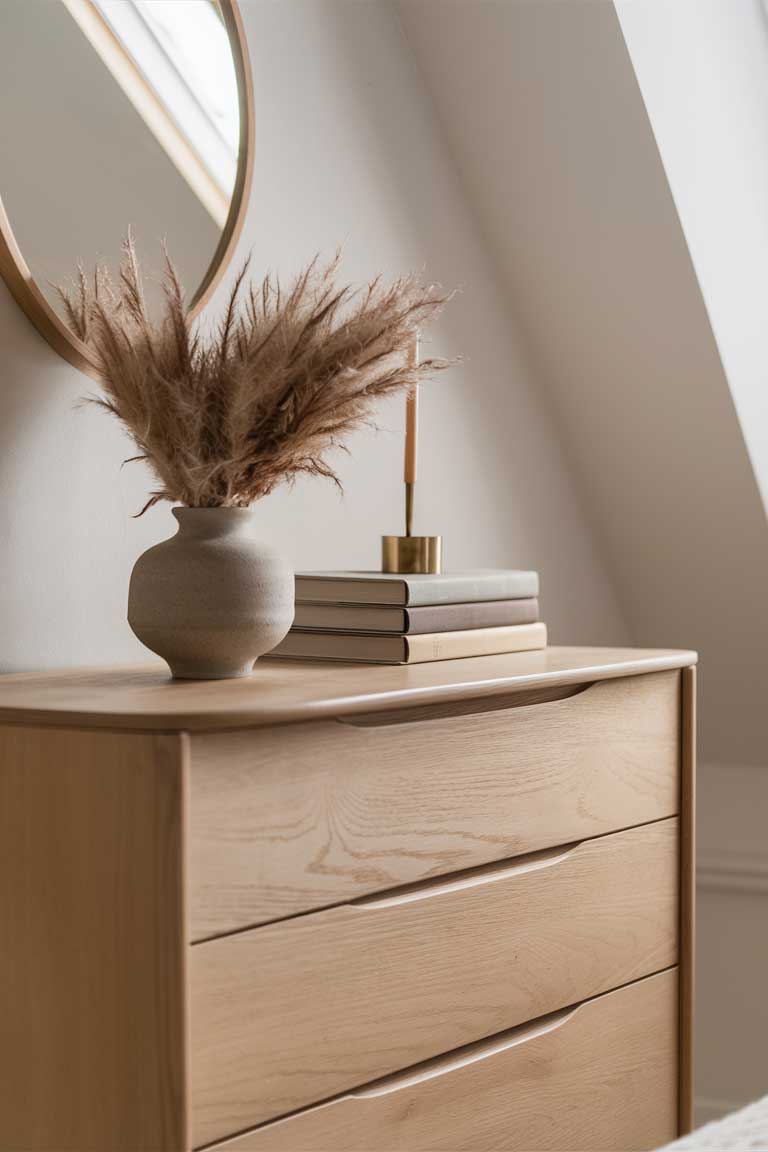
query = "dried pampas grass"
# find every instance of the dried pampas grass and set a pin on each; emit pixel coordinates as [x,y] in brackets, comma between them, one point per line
[284,378]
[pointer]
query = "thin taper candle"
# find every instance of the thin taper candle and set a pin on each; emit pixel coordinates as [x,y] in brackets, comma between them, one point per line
[412,421]
[411,440]
[411,553]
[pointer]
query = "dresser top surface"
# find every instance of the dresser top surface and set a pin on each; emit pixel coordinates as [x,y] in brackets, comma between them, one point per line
[284,691]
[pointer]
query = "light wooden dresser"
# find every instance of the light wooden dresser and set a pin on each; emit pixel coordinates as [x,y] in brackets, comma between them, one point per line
[349,909]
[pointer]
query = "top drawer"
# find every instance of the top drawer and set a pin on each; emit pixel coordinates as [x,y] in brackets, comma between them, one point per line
[288,819]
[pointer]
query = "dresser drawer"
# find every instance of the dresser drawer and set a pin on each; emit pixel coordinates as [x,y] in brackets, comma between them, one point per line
[285,820]
[595,1078]
[291,1013]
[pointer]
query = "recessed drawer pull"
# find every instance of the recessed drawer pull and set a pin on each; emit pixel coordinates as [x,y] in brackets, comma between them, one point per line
[472,1054]
[506,702]
[532,862]
[607,1081]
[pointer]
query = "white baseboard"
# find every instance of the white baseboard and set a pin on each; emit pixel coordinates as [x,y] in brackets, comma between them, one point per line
[705,1109]
[733,871]
[731,822]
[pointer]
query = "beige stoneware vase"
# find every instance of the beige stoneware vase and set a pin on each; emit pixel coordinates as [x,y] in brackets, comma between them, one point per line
[212,599]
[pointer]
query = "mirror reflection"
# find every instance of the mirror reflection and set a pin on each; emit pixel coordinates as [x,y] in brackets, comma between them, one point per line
[136,125]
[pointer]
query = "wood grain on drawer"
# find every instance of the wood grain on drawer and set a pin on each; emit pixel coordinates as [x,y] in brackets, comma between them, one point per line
[288,819]
[596,1078]
[294,1012]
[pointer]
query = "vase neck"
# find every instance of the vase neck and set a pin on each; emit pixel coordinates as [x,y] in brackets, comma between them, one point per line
[213,523]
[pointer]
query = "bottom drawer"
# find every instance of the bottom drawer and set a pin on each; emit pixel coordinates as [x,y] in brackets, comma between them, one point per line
[601,1076]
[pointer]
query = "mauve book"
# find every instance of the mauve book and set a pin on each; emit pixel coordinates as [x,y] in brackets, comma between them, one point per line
[416,621]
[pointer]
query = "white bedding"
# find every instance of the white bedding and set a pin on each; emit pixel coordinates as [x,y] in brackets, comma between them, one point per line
[742,1131]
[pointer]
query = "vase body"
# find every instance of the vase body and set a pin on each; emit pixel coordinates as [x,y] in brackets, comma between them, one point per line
[212,599]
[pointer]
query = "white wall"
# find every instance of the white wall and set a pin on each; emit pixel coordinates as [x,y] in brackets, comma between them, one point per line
[702,67]
[346,151]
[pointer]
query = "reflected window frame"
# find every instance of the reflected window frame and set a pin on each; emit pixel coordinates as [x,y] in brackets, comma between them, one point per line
[150,67]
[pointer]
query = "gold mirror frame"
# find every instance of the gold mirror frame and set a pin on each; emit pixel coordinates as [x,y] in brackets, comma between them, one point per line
[22,284]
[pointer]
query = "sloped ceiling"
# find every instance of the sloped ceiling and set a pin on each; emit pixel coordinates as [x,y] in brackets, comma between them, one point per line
[542,111]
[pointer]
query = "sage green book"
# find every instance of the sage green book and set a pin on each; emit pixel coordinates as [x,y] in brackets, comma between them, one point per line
[414,591]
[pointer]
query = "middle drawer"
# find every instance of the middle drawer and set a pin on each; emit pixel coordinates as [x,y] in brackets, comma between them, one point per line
[297,1011]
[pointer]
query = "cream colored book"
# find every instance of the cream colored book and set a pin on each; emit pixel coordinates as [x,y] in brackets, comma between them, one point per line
[369,648]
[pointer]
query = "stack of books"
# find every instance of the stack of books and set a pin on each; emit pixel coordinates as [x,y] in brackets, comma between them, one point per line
[375,618]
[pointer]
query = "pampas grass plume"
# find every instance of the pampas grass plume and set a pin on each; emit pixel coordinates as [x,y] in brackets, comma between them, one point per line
[285,377]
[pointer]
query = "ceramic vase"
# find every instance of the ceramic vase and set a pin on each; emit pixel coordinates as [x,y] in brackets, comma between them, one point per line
[212,599]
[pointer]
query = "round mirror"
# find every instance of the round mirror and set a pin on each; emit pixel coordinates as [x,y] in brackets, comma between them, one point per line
[143,121]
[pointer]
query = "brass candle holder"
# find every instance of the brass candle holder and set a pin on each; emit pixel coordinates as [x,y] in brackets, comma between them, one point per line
[411,554]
